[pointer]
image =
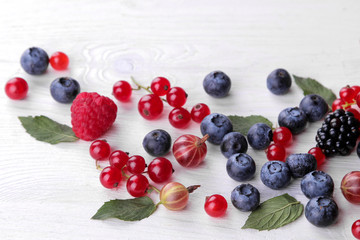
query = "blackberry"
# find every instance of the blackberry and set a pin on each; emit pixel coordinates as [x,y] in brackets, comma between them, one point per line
[338,133]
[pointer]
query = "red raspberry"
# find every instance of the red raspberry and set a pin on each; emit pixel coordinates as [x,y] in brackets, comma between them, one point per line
[92,115]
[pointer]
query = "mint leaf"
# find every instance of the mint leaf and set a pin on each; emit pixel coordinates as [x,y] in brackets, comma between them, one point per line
[46,130]
[243,124]
[274,213]
[311,86]
[128,210]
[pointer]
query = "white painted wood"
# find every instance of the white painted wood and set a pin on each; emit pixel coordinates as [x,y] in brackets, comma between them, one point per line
[50,192]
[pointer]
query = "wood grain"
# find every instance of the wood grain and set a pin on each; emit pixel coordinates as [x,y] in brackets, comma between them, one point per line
[51,192]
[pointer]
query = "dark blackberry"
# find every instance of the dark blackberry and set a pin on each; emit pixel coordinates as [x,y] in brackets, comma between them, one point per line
[338,133]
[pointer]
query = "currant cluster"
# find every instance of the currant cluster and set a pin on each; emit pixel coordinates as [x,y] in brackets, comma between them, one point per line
[151,106]
[349,100]
[282,138]
[132,168]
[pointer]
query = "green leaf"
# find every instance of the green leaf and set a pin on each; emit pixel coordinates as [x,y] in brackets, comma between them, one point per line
[128,210]
[311,86]
[243,124]
[274,213]
[44,129]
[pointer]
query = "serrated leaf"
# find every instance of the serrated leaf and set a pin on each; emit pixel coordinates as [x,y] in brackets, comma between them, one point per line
[274,213]
[311,86]
[243,124]
[128,209]
[44,129]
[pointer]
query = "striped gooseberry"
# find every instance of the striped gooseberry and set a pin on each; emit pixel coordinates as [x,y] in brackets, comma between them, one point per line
[175,196]
[190,150]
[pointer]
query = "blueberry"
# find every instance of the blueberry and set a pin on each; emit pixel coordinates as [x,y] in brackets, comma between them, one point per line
[294,119]
[301,163]
[279,81]
[240,167]
[216,125]
[233,142]
[275,174]
[245,197]
[217,84]
[317,183]
[64,89]
[314,106]
[321,211]
[34,61]
[259,136]
[157,142]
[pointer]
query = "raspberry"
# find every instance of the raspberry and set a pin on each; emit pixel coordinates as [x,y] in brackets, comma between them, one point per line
[338,133]
[92,115]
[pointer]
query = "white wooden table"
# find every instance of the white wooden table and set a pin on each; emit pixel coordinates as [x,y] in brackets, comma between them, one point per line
[51,192]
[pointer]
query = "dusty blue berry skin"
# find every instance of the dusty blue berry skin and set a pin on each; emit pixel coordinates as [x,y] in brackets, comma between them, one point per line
[279,81]
[321,211]
[216,125]
[34,61]
[240,167]
[259,136]
[157,143]
[245,197]
[217,84]
[314,106]
[275,174]
[301,163]
[233,142]
[65,89]
[294,119]
[317,183]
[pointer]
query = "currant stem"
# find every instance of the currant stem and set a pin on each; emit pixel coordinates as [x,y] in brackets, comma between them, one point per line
[139,86]
[155,188]
[123,172]
[98,166]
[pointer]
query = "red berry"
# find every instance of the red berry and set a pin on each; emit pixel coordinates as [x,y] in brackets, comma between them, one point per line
[160,86]
[276,152]
[318,154]
[350,187]
[356,89]
[355,112]
[92,115]
[215,205]
[190,150]
[122,91]
[137,185]
[282,136]
[150,106]
[355,229]
[110,177]
[357,99]
[99,150]
[59,61]
[337,104]
[179,117]
[136,164]
[347,94]
[176,97]
[16,88]
[118,159]
[160,170]
[199,112]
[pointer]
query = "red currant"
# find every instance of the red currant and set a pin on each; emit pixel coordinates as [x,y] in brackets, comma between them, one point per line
[355,112]
[318,154]
[59,61]
[347,94]
[136,164]
[355,229]
[176,97]
[282,136]
[357,99]
[160,86]
[122,91]
[150,106]
[160,170]
[99,150]
[337,104]
[137,185]
[356,89]
[215,205]
[16,88]
[110,177]
[179,117]
[199,112]
[118,159]
[276,152]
